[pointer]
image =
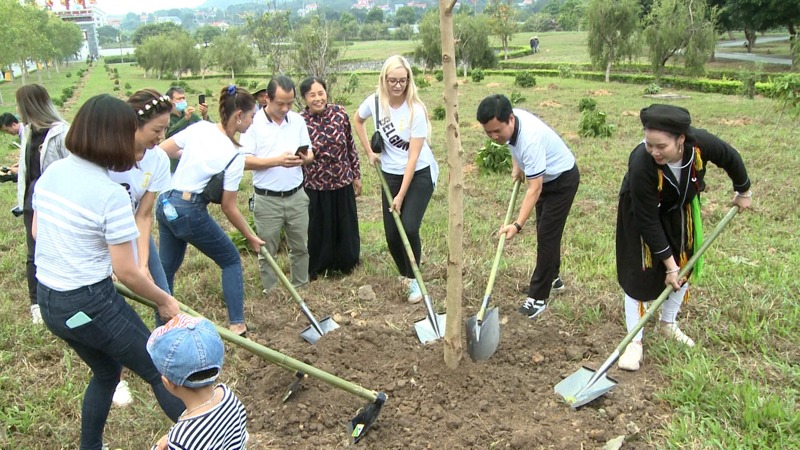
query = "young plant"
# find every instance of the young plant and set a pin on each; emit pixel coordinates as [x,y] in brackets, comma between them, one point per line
[652,89]
[477,75]
[438,113]
[516,98]
[525,79]
[587,104]
[493,158]
[593,124]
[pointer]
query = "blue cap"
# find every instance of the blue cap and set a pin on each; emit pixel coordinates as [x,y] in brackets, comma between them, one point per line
[184,346]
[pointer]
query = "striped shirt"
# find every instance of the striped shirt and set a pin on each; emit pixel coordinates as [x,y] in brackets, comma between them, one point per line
[224,427]
[80,211]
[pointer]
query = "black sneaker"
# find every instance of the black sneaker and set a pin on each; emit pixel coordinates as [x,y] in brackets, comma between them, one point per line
[558,285]
[532,308]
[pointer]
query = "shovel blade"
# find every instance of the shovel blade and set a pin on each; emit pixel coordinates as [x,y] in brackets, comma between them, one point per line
[425,331]
[483,339]
[295,386]
[576,391]
[312,336]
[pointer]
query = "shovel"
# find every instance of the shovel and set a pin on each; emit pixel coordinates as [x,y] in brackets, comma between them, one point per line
[313,332]
[586,384]
[483,330]
[432,327]
[358,425]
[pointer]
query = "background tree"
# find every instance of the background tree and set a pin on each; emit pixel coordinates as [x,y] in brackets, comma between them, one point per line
[405,15]
[348,27]
[680,26]
[317,54]
[182,55]
[472,42]
[429,50]
[612,30]
[375,15]
[152,55]
[154,29]
[503,21]
[131,22]
[231,53]
[206,34]
[66,39]
[571,15]
[271,32]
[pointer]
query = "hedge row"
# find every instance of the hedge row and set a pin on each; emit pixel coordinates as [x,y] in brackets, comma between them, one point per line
[727,87]
[625,68]
[119,59]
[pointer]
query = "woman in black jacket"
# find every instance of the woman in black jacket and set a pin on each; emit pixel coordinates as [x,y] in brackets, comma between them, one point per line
[658,209]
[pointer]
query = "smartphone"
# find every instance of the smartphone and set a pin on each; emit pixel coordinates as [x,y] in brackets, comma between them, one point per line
[303,149]
[201,99]
[80,318]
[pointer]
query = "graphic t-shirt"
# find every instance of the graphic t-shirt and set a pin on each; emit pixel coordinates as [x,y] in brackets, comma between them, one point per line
[151,174]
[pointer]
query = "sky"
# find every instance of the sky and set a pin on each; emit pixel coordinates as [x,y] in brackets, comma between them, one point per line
[117,7]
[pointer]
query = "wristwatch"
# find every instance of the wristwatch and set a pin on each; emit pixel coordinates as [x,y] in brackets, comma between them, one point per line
[519,227]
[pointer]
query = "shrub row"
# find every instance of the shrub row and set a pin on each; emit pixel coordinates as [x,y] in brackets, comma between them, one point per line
[119,59]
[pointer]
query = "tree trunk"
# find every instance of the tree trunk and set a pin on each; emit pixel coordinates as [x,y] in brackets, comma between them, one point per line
[750,35]
[455,192]
[608,65]
[792,44]
[730,35]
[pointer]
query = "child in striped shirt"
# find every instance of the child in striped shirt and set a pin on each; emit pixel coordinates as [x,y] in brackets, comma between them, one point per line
[188,352]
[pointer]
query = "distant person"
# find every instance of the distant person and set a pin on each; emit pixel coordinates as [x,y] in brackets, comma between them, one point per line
[546,165]
[189,354]
[407,161]
[656,232]
[182,116]
[275,148]
[535,44]
[262,98]
[332,182]
[42,144]
[9,124]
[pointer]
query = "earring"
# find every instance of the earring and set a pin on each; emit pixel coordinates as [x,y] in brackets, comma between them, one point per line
[238,121]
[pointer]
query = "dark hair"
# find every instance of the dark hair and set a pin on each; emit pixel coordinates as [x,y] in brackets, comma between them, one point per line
[232,99]
[103,132]
[203,374]
[306,84]
[283,81]
[173,90]
[8,119]
[148,104]
[495,106]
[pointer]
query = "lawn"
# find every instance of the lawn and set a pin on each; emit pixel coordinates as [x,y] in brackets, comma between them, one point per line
[737,389]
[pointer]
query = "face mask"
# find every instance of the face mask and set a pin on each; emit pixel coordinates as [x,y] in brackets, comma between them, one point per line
[181,106]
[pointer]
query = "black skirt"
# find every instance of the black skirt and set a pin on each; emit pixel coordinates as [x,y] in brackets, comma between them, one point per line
[333,240]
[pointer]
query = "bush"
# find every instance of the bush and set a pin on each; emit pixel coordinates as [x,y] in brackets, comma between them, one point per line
[119,59]
[652,89]
[478,75]
[749,79]
[565,71]
[422,82]
[439,113]
[516,98]
[209,92]
[58,102]
[593,124]
[253,85]
[127,86]
[439,75]
[128,93]
[587,104]
[342,99]
[416,71]
[64,99]
[116,88]
[525,79]
[493,158]
[69,75]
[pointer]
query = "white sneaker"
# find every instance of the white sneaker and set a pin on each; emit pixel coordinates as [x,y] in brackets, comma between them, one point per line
[36,315]
[632,357]
[671,330]
[413,291]
[122,395]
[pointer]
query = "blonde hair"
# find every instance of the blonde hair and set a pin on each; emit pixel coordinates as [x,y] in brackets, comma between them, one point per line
[36,108]
[412,97]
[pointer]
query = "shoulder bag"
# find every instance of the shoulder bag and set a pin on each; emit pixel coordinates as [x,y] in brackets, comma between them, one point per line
[377,140]
[213,190]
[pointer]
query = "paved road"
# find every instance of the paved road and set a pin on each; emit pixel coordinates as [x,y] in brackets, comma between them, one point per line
[785,61]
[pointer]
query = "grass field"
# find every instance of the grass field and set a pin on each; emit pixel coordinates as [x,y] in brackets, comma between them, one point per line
[737,389]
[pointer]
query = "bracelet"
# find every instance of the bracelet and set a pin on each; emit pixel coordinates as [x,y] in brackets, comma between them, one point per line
[519,227]
[673,270]
[744,196]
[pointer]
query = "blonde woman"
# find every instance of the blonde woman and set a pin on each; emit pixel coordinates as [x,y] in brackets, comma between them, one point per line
[407,161]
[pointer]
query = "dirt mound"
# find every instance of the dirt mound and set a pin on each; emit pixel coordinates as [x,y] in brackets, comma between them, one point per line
[600,93]
[739,122]
[505,402]
[550,104]
[630,113]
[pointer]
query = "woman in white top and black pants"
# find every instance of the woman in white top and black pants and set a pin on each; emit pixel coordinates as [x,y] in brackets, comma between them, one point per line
[83,230]
[205,149]
[407,160]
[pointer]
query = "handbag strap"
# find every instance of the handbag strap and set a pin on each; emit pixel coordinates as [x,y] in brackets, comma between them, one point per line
[377,112]
[230,162]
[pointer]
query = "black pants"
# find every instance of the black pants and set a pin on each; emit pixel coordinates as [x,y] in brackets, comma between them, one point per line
[411,212]
[552,210]
[30,267]
[333,240]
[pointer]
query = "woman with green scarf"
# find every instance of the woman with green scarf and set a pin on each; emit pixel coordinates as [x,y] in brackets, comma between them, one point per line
[658,218]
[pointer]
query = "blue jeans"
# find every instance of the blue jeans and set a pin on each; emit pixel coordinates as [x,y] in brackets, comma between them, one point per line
[114,337]
[195,226]
[157,272]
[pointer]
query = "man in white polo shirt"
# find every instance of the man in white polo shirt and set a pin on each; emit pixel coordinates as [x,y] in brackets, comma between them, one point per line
[544,162]
[271,147]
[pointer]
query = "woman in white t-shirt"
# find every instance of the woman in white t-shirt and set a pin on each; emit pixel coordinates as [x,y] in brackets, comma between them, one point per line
[205,149]
[407,161]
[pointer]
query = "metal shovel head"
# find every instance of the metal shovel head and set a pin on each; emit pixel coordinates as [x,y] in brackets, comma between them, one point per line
[312,336]
[295,386]
[425,331]
[366,416]
[576,391]
[483,339]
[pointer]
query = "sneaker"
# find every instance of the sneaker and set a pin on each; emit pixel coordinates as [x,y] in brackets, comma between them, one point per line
[671,330]
[558,285]
[413,291]
[36,315]
[532,308]
[631,358]
[122,395]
